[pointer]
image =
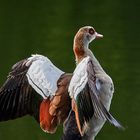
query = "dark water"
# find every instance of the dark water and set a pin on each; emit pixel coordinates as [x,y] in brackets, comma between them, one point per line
[48,28]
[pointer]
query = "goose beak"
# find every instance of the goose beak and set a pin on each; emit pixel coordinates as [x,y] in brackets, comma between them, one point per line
[98,36]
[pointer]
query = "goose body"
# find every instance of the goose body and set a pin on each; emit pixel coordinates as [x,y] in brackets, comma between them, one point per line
[94,91]
[36,87]
[91,89]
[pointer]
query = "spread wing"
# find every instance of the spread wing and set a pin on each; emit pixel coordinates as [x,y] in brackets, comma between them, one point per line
[29,81]
[86,101]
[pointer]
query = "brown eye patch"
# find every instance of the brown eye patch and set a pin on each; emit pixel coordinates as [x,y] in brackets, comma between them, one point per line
[91,31]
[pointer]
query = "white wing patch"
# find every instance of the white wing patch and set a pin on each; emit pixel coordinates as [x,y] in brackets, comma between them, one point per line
[79,79]
[43,75]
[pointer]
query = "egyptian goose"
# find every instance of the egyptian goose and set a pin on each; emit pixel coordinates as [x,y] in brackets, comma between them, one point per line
[91,89]
[38,88]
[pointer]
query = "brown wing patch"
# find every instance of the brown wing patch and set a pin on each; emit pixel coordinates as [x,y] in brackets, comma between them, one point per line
[48,122]
[61,103]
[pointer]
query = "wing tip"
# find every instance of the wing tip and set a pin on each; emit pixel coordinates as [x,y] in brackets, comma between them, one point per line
[119,125]
[116,123]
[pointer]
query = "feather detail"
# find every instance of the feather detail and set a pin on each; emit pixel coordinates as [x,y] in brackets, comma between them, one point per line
[40,75]
[48,123]
[17,97]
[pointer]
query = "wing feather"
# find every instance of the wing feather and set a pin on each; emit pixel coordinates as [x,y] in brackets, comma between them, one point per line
[43,76]
[103,113]
[16,94]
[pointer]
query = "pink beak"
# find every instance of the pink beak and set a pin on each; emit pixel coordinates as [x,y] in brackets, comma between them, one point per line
[98,36]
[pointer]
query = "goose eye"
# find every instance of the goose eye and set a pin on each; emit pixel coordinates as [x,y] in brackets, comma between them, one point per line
[91,31]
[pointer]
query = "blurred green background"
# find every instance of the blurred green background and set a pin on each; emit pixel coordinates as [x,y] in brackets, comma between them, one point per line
[48,27]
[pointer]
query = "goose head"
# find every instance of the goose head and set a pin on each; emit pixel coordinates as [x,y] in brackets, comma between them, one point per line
[83,37]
